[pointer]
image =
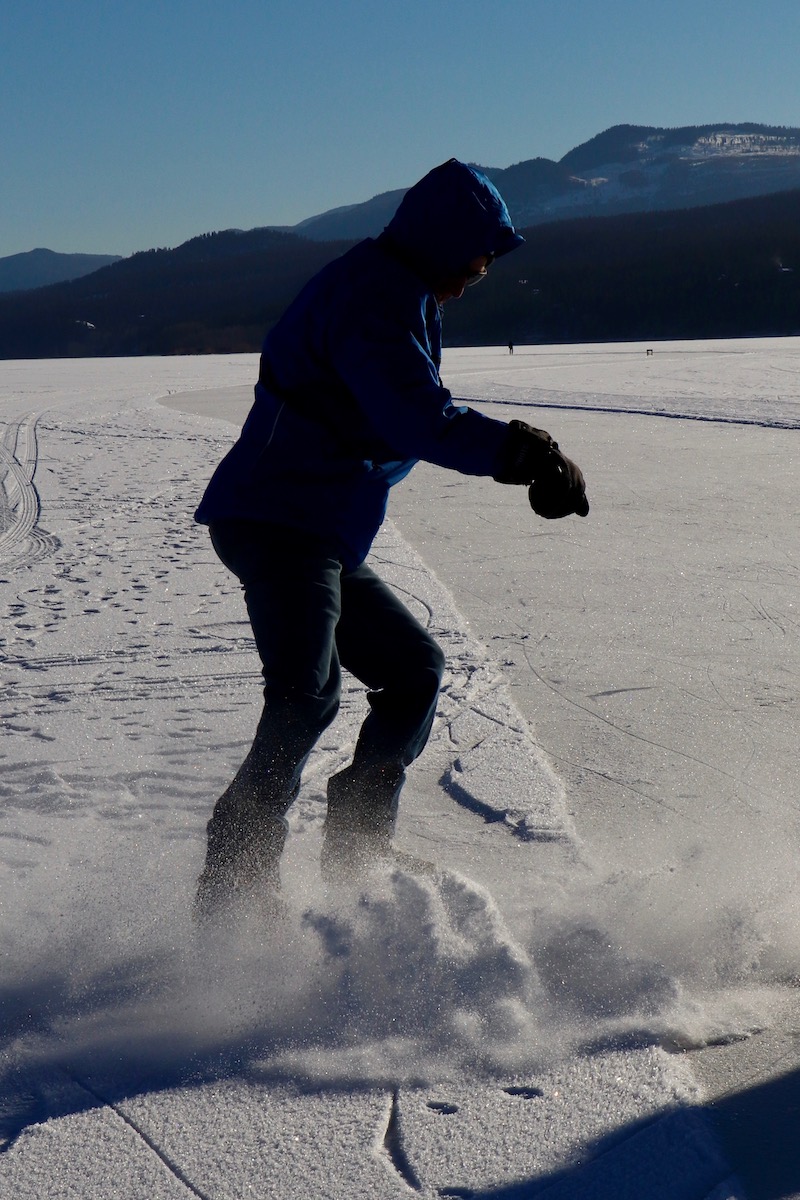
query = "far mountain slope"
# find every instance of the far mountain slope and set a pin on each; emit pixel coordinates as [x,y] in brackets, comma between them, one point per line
[38,268]
[727,270]
[625,169]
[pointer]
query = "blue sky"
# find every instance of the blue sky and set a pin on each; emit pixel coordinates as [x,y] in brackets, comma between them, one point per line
[129,124]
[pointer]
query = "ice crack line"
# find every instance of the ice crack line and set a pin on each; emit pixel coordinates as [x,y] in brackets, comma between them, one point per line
[171,1166]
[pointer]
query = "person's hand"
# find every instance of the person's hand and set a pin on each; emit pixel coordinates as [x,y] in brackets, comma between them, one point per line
[558,488]
[522,453]
[556,485]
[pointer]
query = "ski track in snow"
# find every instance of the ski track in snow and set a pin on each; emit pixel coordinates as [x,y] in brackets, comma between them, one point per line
[129,694]
[22,542]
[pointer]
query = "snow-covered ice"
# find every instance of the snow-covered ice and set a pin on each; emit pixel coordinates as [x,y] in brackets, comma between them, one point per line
[611,790]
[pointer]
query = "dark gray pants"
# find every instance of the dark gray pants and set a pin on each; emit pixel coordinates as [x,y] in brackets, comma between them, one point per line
[311,618]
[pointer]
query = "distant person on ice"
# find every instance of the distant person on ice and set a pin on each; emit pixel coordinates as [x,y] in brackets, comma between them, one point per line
[348,399]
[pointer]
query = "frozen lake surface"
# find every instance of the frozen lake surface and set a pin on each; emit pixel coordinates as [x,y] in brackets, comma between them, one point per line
[611,790]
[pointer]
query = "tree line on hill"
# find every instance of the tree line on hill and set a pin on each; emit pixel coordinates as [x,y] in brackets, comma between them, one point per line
[728,270]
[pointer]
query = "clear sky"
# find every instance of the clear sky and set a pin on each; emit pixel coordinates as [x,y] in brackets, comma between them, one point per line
[130,124]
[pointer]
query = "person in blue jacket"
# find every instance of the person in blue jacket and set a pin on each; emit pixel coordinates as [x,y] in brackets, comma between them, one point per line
[348,399]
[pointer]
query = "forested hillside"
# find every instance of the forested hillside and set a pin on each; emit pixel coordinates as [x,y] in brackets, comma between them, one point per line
[727,270]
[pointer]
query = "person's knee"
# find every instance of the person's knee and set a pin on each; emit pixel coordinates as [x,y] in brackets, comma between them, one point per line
[416,668]
[428,669]
[424,680]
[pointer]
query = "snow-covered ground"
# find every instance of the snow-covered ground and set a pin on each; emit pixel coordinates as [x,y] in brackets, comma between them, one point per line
[611,792]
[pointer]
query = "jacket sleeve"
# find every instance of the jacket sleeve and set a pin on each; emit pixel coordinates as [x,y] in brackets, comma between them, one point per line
[385,360]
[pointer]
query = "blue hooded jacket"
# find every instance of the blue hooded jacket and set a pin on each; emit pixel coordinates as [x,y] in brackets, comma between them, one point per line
[349,395]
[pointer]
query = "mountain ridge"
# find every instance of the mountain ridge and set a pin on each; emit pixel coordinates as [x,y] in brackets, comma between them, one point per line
[41,267]
[726,270]
[637,249]
[623,169]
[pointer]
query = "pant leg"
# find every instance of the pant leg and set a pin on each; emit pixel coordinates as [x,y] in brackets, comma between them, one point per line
[384,646]
[291,588]
[291,583]
[292,592]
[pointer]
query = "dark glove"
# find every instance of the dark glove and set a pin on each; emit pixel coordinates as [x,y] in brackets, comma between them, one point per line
[558,489]
[531,456]
[522,453]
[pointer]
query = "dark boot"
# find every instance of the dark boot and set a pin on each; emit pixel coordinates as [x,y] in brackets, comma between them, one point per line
[247,831]
[362,810]
[360,823]
[245,843]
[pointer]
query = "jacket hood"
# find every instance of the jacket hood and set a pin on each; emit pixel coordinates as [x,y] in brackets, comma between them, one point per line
[454,214]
